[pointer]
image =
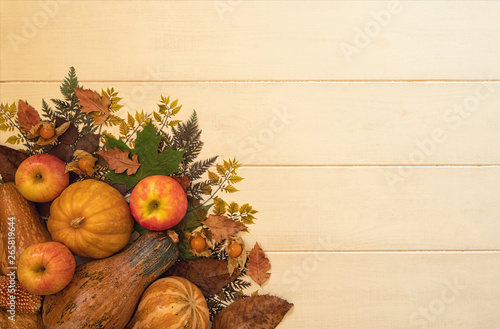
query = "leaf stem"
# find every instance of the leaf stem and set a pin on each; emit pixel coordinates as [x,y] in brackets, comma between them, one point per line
[135,129]
[166,118]
[221,185]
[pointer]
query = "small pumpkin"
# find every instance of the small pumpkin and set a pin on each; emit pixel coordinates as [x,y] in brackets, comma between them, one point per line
[91,218]
[171,302]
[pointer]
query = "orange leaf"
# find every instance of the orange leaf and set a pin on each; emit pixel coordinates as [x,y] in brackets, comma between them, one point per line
[119,161]
[100,119]
[91,101]
[258,265]
[27,116]
[222,227]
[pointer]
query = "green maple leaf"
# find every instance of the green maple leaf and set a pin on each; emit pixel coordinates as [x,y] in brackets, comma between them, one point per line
[152,162]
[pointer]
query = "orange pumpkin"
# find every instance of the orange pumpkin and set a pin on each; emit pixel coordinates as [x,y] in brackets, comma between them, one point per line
[172,302]
[91,218]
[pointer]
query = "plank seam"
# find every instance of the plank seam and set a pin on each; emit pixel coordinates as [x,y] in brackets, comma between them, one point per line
[307,166]
[437,81]
[469,251]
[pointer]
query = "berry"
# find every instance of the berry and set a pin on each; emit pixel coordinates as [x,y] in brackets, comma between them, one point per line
[47,132]
[198,243]
[84,165]
[234,250]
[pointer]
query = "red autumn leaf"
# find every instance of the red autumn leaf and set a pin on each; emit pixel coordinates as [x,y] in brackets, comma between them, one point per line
[91,101]
[10,159]
[258,265]
[208,274]
[263,312]
[222,227]
[119,161]
[27,116]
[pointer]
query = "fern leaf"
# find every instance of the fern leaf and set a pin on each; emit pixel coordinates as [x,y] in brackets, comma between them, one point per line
[230,189]
[198,168]
[233,208]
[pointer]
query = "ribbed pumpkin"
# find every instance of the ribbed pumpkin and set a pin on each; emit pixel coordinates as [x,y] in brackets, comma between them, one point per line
[91,218]
[171,302]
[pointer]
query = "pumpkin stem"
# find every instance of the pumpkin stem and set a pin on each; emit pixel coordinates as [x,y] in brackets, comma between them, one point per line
[77,222]
[173,236]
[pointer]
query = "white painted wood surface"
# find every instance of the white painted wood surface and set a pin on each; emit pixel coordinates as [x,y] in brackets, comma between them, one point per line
[372,153]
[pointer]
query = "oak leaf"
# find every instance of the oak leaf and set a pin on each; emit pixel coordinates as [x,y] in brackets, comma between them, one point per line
[119,161]
[254,312]
[27,116]
[222,227]
[208,274]
[258,265]
[91,101]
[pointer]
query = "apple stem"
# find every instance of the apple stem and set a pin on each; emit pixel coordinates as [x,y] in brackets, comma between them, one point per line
[76,222]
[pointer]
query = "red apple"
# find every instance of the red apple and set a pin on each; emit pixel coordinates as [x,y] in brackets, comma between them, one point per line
[46,268]
[158,202]
[41,177]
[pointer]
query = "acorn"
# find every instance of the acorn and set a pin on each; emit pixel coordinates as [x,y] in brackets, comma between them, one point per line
[25,302]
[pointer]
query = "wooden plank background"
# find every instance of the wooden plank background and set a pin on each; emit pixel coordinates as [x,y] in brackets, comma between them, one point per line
[369,130]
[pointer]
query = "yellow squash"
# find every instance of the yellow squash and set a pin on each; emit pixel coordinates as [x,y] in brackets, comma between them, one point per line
[91,218]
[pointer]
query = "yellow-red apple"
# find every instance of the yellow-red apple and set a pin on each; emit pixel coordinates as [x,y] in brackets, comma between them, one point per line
[158,202]
[41,177]
[46,268]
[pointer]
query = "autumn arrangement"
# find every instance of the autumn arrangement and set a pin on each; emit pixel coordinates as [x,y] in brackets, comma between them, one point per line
[114,222]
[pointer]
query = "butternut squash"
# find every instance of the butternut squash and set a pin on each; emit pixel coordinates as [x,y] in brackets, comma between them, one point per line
[104,293]
[20,226]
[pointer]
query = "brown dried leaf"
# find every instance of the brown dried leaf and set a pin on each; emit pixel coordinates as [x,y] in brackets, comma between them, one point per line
[91,101]
[222,227]
[88,142]
[184,181]
[62,151]
[258,265]
[10,159]
[210,275]
[255,312]
[70,135]
[119,161]
[27,116]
